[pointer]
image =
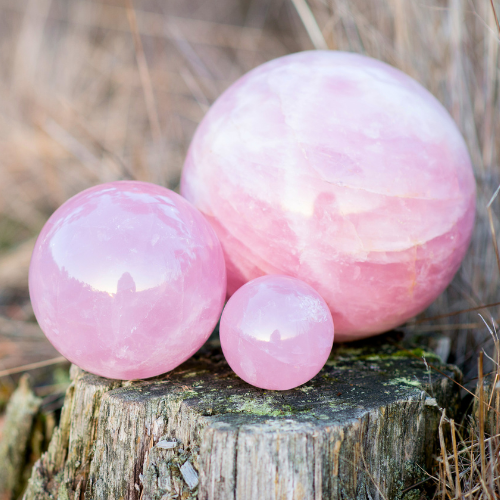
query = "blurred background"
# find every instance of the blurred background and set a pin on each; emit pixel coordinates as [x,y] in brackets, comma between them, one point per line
[99,90]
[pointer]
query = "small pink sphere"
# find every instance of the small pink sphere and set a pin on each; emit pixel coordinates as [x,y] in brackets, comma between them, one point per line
[342,171]
[127,280]
[276,332]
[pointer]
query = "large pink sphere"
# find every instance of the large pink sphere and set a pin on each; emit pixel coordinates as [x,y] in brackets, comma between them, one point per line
[127,280]
[342,171]
[276,332]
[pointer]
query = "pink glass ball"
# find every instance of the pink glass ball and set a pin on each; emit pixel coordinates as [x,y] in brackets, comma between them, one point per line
[127,280]
[276,332]
[342,171]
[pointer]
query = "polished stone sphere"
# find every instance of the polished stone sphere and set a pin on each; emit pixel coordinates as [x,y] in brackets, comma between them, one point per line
[276,332]
[342,171]
[127,280]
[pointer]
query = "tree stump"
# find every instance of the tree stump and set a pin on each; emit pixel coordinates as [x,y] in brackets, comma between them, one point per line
[363,428]
[19,437]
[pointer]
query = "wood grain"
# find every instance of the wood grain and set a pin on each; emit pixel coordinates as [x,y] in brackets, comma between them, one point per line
[363,428]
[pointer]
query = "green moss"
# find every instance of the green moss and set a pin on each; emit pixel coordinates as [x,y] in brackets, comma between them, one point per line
[339,405]
[189,393]
[405,381]
[344,357]
[401,354]
[193,374]
[415,494]
[421,353]
[266,406]
[350,352]
[305,388]
[334,362]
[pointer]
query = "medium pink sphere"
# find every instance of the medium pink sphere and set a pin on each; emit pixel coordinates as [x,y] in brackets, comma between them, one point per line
[127,280]
[276,332]
[342,171]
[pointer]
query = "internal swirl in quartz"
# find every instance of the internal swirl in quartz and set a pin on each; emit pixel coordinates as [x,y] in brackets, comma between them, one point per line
[127,280]
[276,332]
[342,171]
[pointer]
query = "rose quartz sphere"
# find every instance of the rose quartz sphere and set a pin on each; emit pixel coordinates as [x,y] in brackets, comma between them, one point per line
[127,280]
[276,332]
[342,171]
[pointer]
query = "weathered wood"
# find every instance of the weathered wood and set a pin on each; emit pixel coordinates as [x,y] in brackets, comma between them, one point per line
[361,429]
[491,401]
[17,436]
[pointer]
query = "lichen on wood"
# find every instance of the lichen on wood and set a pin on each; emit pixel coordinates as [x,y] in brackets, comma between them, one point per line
[363,428]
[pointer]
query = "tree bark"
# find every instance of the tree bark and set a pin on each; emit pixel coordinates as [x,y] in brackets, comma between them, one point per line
[363,428]
[20,437]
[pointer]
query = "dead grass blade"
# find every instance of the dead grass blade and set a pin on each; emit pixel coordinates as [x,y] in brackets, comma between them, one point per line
[33,366]
[481,412]
[458,489]
[495,14]
[310,24]
[144,74]
[474,460]
[456,313]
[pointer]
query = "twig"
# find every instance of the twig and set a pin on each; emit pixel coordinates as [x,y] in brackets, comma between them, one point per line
[33,366]
[477,308]
[443,328]
[474,445]
[416,485]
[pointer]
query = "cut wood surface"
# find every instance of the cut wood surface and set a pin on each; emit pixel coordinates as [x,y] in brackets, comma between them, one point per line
[363,428]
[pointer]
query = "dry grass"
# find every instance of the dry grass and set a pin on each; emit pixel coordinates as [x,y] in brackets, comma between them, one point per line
[93,91]
[97,90]
[469,464]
